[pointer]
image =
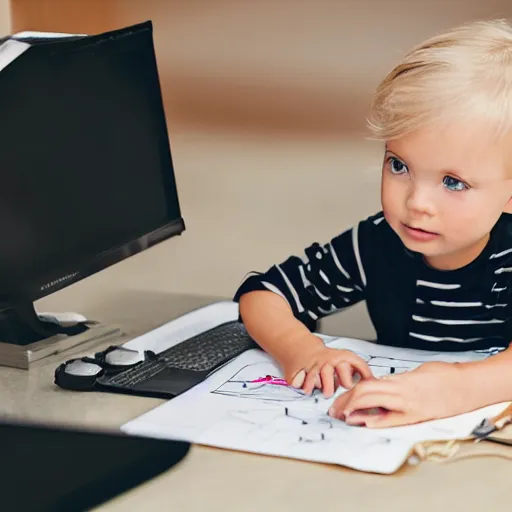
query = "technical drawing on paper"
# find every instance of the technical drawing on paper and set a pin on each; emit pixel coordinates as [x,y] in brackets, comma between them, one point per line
[292,426]
[280,419]
[248,406]
[259,380]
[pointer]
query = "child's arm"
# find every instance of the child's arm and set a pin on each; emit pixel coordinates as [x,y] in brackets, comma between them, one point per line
[489,381]
[306,361]
[281,307]
[270,321]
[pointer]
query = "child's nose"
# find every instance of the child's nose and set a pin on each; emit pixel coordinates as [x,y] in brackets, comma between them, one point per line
[420,200]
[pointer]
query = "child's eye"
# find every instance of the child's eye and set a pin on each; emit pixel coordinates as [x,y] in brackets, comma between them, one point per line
[397,167]
[454,184]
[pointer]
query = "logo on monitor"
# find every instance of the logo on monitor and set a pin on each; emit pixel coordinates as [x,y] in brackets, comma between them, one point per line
[58,281]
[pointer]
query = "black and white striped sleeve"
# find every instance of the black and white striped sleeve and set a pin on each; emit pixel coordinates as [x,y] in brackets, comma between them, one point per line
[326,279]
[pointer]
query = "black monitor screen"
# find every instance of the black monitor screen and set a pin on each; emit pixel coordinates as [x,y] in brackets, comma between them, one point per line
[85,163]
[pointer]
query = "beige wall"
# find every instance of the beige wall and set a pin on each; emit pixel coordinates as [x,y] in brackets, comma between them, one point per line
[5,17]
[266,102]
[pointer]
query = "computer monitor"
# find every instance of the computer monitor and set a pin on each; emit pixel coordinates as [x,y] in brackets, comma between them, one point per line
[86,172]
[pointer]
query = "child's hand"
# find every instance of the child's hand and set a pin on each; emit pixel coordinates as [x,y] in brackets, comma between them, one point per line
[432,391]
[325,368]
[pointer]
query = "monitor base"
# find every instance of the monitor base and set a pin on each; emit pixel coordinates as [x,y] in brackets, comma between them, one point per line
[26,339]
[21,325]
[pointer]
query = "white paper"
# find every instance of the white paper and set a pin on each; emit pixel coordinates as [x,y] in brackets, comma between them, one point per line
[235,409]
[10,50]
[42,35]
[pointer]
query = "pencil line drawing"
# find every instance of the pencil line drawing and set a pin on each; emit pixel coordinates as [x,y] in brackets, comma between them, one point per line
[290,427]
[258,381]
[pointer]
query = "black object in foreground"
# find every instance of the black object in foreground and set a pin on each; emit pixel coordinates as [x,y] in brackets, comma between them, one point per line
[64,469]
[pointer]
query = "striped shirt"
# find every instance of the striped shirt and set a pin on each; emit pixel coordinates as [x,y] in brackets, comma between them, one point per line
[410,303]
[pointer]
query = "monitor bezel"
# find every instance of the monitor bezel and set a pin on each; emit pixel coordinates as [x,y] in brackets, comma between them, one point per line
[102,261]
[107,259]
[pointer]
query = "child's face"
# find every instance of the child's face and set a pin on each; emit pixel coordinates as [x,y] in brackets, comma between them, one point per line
[449,184]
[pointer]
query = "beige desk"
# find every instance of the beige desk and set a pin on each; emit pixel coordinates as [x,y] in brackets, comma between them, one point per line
[211,479]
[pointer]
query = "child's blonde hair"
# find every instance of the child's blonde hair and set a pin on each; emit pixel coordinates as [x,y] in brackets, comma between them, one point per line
[463,74]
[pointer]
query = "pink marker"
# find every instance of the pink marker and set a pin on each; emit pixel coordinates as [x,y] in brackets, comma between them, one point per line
[269,379]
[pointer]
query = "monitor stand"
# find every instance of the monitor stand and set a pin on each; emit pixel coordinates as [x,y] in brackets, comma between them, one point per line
[27,339]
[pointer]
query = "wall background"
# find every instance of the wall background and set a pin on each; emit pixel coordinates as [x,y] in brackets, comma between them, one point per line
[5,17]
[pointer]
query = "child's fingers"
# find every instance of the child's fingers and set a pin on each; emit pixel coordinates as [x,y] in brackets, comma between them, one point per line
[339,405]
[327,376]
[310,380]
[298,380]
[353,411]
[362,368]
[344,371]
[387,419]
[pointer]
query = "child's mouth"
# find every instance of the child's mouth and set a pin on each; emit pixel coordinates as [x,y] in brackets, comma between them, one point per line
[419,234]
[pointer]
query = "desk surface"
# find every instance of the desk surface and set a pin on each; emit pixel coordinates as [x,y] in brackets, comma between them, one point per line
[212,479]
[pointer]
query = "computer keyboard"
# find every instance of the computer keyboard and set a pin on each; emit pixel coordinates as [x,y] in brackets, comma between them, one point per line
[180,367]
[209,349]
